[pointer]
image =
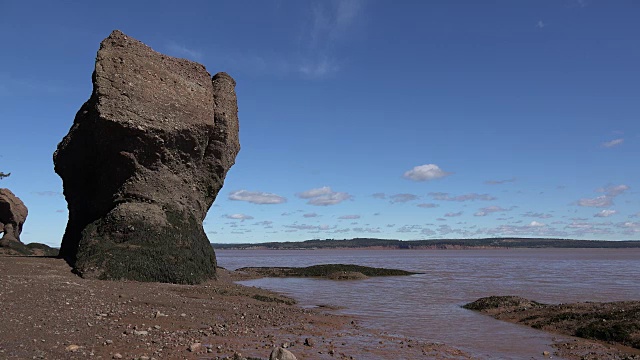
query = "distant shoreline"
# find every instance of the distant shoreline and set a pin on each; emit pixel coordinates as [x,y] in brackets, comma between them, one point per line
[440,244]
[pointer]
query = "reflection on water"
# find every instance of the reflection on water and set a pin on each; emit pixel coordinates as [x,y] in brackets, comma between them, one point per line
[427,306]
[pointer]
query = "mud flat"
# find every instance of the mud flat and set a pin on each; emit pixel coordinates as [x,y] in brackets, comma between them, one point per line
[48,312]
[613,327]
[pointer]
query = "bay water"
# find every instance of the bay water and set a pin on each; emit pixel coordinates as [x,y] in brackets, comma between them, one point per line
[427,306]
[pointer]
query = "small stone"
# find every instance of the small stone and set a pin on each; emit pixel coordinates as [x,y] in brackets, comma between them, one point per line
[140,332]
[72,348]
[117,356]
[281,354]
[309,342]
[546,353]
[194,347]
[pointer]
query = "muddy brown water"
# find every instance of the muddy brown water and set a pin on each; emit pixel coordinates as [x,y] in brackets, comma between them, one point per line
[427,306]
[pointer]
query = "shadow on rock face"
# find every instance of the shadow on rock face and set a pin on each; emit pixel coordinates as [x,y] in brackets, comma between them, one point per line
[142,164]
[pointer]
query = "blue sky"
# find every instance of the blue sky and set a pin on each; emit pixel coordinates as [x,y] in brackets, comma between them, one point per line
[406,120]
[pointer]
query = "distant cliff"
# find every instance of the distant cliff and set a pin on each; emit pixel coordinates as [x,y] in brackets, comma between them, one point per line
[488,243]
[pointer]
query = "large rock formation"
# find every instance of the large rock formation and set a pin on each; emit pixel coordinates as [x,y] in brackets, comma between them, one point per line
[13,214]
[143,163]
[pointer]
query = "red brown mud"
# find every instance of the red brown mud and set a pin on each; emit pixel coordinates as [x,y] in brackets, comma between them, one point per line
[47,312]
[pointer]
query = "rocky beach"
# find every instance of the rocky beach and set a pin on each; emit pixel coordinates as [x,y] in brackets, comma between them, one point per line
[50,313]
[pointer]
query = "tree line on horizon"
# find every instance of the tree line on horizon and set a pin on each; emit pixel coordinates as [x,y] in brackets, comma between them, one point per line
[434,244]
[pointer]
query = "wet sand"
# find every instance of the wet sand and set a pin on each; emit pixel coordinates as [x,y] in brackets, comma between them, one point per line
[48,312]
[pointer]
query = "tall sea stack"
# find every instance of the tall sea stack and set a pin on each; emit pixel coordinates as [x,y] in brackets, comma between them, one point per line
[142,164]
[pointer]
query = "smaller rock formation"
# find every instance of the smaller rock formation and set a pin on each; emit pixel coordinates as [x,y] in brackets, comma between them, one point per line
[13,214]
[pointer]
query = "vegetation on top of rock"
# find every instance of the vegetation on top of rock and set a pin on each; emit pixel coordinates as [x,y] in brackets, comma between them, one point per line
[612,322]
[32,249]
[494,302]
[326,270]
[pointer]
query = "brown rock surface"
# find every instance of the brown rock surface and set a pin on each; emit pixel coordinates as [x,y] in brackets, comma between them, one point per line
[143,163]
[13,214]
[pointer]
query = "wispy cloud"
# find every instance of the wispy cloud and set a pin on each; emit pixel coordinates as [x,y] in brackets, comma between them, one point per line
[47,193]
[402,198]
[499,182]
[324,196]
[537,215]
[310,215]
[540,24]
[241,217]
[349,217]
[425,172]
[606,200]
[489,210]
[605,213]
[451,214]
[613,190]
[427,205]
[379,196]
[612,143]
[600,201]
[183,51]
[466,197]
[257,197]
[331,22]
[310,227]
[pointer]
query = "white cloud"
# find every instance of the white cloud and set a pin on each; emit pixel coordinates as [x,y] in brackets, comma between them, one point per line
[499,182]
[612,143]
[537,215]
[349,217]
[465,197]
[489,210]
[536,224]
[605,213]
[366,230]
[614,190]
[540,24]
[459,213]
[256,197]
[401,198]
[605,200]
[310,227]
[325,190]
[427,205]
[324,196]
[600,201]
[425,172]
[241,217]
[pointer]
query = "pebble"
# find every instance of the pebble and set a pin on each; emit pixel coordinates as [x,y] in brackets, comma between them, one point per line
[117,356]
[194,347]
[72,347]
[140,332]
